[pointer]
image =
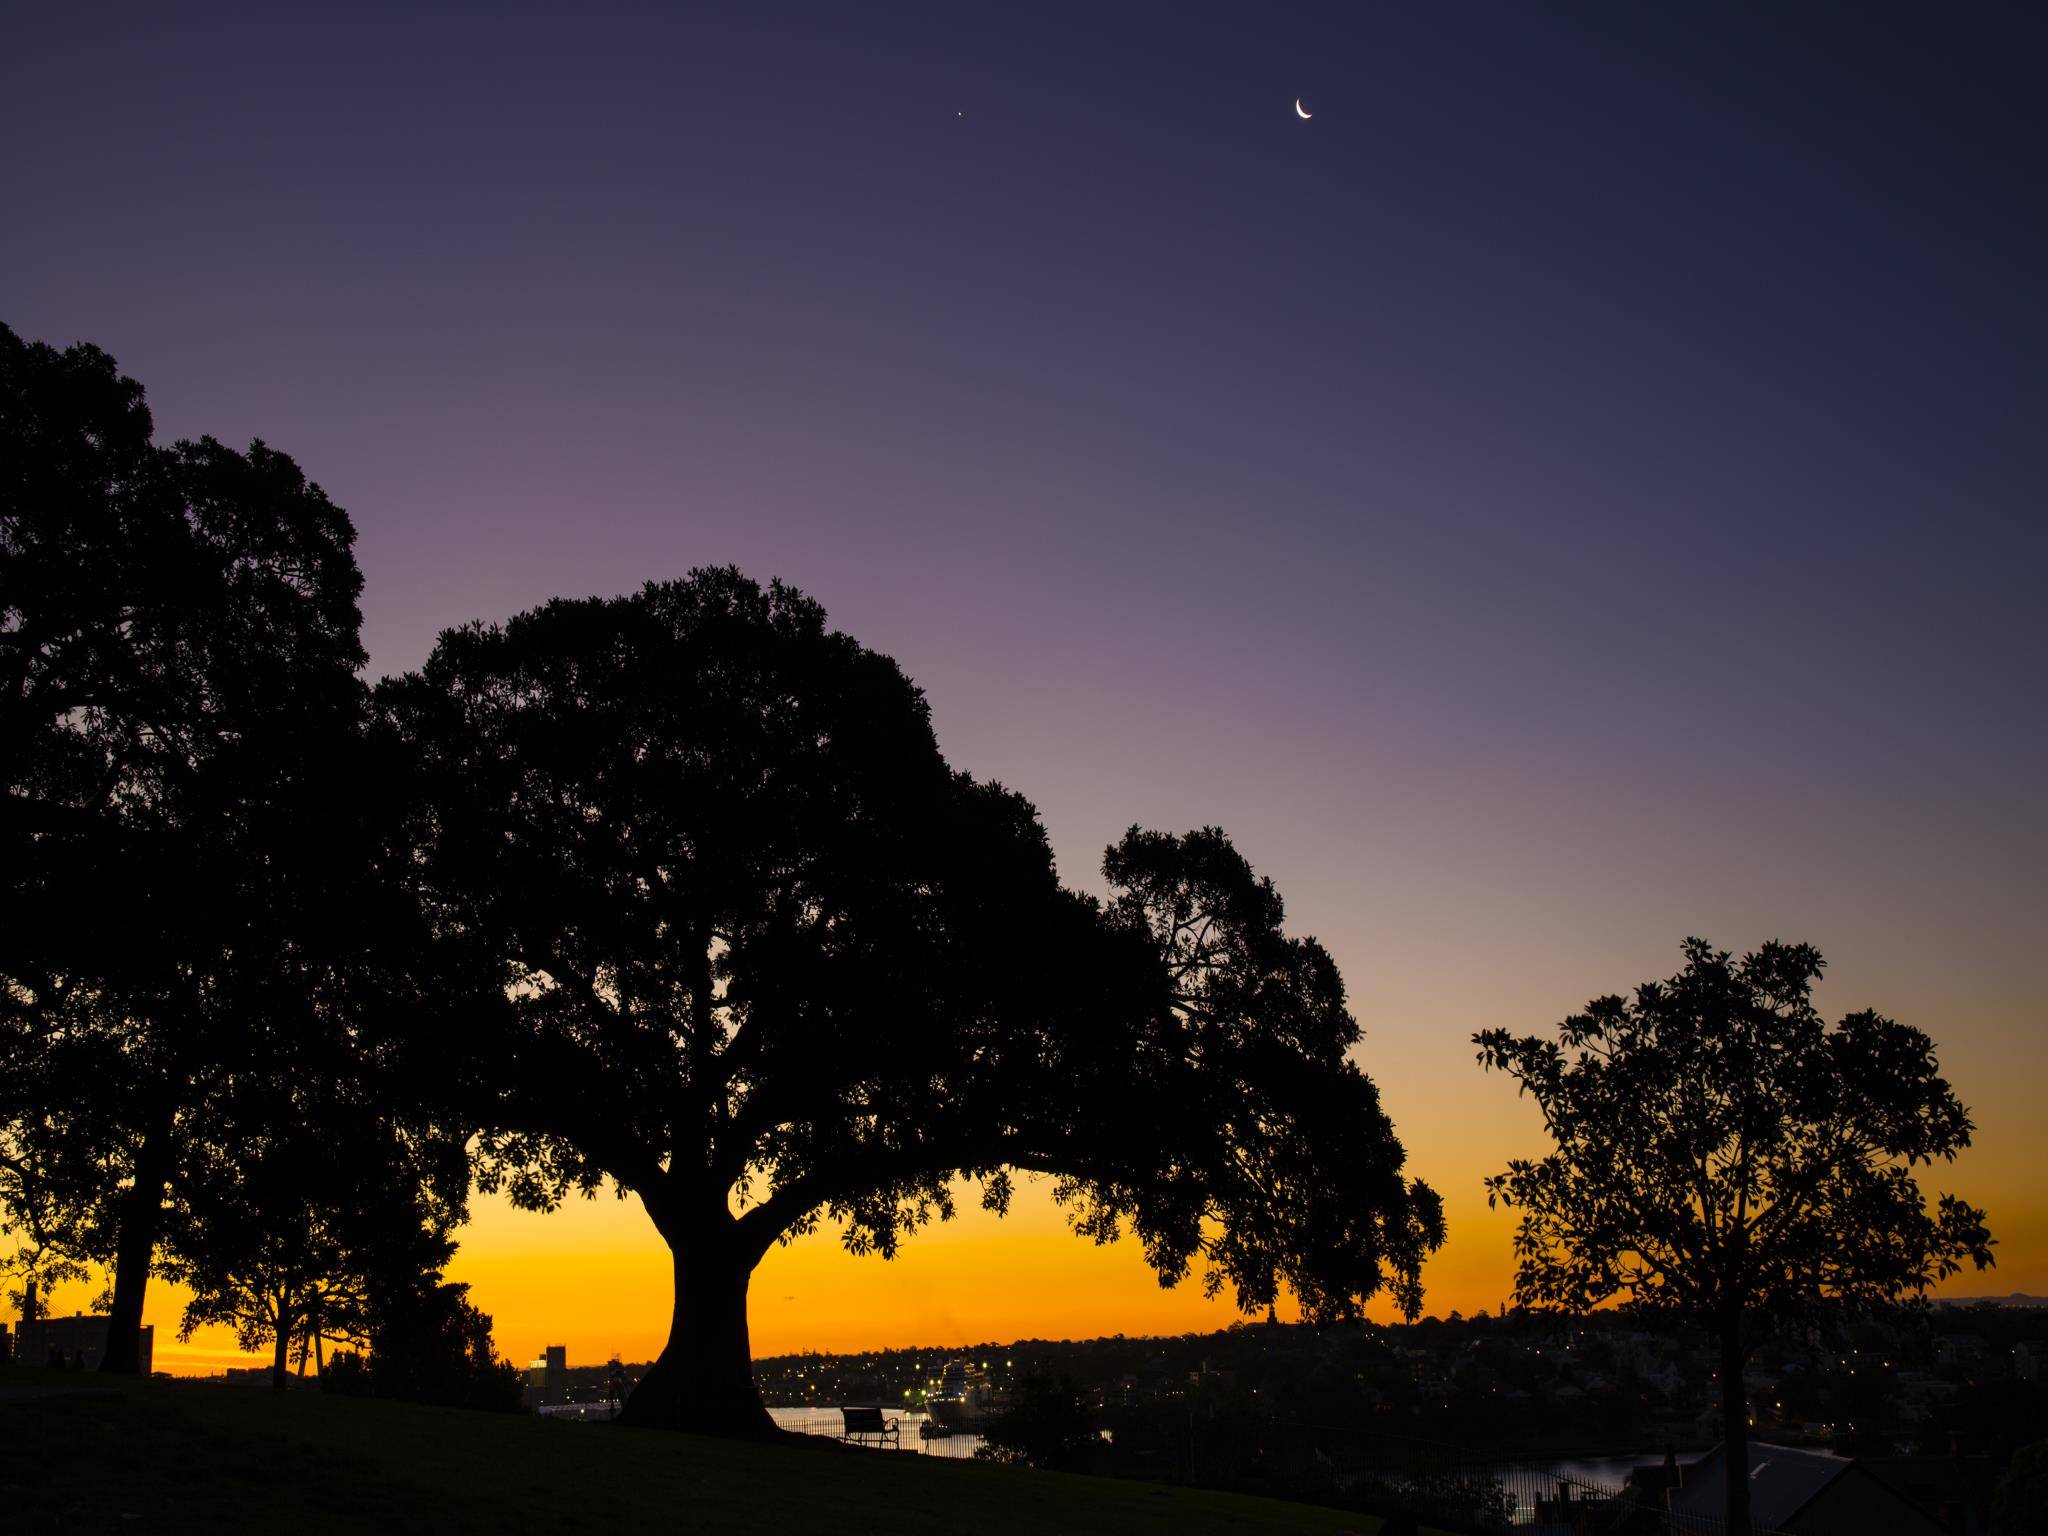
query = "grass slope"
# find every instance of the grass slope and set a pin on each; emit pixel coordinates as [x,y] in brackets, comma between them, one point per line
[79,1453]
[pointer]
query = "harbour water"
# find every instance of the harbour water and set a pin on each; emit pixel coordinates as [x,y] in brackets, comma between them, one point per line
[1585,1472]
[827,1422]
[1607,1471]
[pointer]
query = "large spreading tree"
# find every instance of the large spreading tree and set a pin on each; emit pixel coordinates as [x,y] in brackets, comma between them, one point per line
[765,961]
[1725,1155]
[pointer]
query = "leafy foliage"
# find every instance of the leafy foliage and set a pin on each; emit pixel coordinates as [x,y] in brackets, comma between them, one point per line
[1288,1171]
[1722,1153]
[38,1224]
[428,1343]
[673,891]
[772,963]
[1048,1425]
[2019,1505]
[705,840]
[325,1203]
[178,645]
[1720,1147]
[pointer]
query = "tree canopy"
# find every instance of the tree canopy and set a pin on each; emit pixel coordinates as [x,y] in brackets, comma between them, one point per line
[427,1343]
[673,891]
[769,962]
[1294,1173]
[1722,1152]
[323,1205]
[178,648]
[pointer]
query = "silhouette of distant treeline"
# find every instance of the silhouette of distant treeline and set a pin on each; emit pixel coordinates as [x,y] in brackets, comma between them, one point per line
[1326,1414]
[675,892]
[1520,1383]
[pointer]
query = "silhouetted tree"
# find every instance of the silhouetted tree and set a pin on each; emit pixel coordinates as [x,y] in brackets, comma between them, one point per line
[40,1240]
[323,1199]
[1724,1154]
[1292,1173]
[1993,1418]
[428,1343]
[2019,1504]
[178,645]
[1046,1425]
[770,962]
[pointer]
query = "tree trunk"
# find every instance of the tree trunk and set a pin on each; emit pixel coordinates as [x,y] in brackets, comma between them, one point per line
[280,1364]
[703,1380]
[1734,1427]
[142,1214]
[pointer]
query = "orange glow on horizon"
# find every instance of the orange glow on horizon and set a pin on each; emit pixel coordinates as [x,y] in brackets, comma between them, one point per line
[595,1277]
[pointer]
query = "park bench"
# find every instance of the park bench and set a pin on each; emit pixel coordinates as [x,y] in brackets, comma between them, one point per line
[862,1422]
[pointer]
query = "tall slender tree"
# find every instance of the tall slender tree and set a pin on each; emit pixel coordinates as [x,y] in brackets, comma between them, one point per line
[769,963]
[178,650]
[1723,1154]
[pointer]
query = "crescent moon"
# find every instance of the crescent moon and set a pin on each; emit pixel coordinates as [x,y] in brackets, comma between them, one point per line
[1301,110]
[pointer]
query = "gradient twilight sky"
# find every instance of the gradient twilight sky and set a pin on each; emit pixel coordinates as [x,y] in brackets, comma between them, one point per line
[1583,487]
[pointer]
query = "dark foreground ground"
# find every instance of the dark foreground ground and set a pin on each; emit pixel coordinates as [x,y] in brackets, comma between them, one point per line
[78,1453]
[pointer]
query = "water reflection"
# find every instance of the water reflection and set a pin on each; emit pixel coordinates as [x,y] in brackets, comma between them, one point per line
[827,1422]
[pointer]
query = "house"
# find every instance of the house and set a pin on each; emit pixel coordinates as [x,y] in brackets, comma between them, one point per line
[1954,1489]
[76,1341]
[2030,1360]
[1959,1349]
[1805,1493]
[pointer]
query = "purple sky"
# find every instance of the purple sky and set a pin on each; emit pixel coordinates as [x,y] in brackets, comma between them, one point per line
[1583,487]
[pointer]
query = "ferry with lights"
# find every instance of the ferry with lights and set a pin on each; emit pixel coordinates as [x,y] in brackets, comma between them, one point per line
[960,1400]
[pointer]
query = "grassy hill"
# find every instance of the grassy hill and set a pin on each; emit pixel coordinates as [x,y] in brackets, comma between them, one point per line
[80,1453]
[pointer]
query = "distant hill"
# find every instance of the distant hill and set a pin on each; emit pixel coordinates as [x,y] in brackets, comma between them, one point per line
[2016,1299]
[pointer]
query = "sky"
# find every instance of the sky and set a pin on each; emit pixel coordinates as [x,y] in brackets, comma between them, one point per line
[1580,487]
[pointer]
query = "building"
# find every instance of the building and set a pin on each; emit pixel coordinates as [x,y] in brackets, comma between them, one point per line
[2030,1360]
[265,1376]
[76,1342]
[1805,1493]
[547,1379]
[1959,1350]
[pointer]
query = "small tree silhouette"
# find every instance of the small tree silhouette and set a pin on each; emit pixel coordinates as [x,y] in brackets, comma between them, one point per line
[1724,1154]
[764,960]
[428,1343]
[1046,1424]
[323,1201]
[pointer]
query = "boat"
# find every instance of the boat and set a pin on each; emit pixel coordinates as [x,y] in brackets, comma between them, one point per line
[960,1400]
